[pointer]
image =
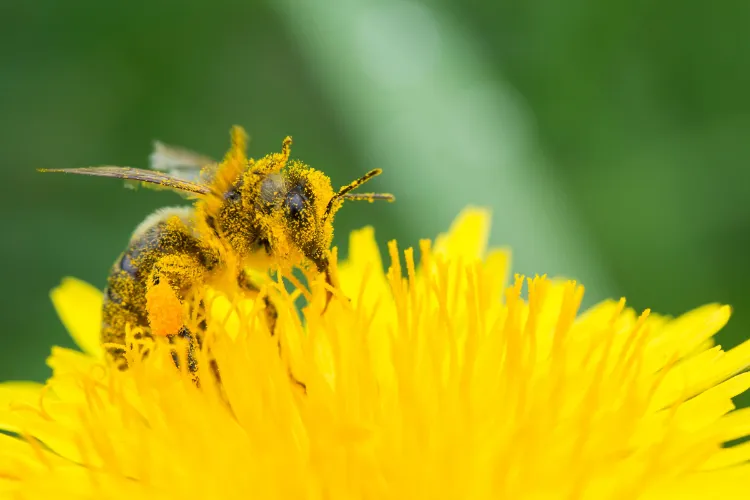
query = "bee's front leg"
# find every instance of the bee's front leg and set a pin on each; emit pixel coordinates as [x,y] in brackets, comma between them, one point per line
[247,285]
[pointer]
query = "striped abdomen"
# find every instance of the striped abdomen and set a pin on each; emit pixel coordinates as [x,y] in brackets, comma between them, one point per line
[164,246]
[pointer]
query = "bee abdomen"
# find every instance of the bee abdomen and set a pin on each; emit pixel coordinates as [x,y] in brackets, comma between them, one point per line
[166,233]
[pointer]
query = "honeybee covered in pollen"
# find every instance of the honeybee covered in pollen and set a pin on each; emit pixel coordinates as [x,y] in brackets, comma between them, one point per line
[246,214]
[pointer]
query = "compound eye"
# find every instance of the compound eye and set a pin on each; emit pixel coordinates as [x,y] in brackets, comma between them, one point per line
[295,204]
[233,195]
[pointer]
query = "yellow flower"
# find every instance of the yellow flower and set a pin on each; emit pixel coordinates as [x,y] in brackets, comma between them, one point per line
[429,381]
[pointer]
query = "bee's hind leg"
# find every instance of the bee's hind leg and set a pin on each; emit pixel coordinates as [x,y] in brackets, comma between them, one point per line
[192,343]
[272,314]
[177,271]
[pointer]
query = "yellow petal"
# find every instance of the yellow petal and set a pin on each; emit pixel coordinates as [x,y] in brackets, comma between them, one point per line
[26,392]
[361,275]
[79,306]
[734,425]
[363,249]
[467,238]
[230,315]
[681,336]
[13,397]
[726,484]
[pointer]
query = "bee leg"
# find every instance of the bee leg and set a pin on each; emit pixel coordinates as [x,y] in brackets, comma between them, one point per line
[329,294]
[202,326]
[246,284]
[193,344]
[324,267]
[180,272]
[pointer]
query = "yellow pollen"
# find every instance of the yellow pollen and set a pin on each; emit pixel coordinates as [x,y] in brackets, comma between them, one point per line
[165,312]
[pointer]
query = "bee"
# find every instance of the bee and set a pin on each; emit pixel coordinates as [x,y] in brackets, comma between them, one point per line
[253,213]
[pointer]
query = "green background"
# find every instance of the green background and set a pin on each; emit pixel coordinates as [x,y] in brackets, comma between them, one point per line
[610,138]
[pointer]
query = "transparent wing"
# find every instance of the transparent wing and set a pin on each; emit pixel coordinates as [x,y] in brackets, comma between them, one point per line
[150,178]
[181,163]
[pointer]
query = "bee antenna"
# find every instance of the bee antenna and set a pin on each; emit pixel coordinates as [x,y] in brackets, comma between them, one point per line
[343,193]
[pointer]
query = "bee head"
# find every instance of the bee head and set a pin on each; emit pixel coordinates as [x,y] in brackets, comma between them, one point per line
[284,206]
[309,205]
[302,230]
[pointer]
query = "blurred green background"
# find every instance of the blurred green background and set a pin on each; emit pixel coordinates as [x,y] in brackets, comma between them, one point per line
[610,138]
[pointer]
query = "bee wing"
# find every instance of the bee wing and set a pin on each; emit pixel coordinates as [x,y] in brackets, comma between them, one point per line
[182,163]
[151,178]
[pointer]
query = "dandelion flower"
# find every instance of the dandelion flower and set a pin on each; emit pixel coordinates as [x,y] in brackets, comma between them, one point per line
[435,379]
